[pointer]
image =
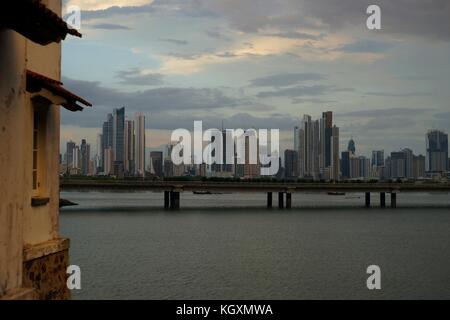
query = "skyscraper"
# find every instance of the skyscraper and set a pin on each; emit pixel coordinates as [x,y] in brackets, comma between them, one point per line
[139,153]
[85,150]
[156,159]
[118,135]
[437,151]
[107,139]
[351,146]
[129,162]
[378,158]
[345,164]
[290,164]
[334,146]
[398,165]
[326,134]
[70,147]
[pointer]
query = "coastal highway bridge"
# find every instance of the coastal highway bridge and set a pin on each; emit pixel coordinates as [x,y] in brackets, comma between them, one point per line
[172,189]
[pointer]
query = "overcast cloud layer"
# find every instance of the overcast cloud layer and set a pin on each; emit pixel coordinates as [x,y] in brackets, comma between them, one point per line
[264,64]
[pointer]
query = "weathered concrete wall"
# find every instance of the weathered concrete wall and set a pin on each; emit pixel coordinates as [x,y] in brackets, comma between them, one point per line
[13,178]
[24,229]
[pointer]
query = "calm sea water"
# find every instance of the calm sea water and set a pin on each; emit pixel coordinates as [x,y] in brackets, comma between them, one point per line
[230,246]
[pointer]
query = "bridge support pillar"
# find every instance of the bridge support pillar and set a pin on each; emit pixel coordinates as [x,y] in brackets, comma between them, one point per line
[269,199]
[393,200]
[166,200]
[280,200]
[382,199]
[288,200]
[174,200]
[367,199]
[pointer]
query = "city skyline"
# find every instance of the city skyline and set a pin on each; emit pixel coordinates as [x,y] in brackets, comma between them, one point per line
[316,155]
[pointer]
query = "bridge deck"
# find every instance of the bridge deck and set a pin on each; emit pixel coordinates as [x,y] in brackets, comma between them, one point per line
[212,186]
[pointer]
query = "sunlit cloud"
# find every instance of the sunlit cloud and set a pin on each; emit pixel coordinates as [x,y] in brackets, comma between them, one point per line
[102,5]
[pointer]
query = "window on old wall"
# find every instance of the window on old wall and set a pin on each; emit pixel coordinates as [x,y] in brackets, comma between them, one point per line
[39,149]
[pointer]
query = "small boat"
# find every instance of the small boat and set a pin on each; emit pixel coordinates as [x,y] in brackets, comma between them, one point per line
[336,193]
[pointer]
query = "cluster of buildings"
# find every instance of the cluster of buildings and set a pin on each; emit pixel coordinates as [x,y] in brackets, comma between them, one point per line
[316,156]
[316,150]
[120,149]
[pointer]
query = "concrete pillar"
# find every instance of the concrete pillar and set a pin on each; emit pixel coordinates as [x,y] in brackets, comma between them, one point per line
[174,200]
[288,200]
[367,199]
[382,199]
[393,200]
[166,200]
[269,199]
[280,200]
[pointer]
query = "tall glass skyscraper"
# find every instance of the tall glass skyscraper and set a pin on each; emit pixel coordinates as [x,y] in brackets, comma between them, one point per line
[119,135]
[437,151]
[139,155]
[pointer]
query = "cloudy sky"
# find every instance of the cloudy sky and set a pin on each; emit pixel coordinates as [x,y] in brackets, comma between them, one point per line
[263,64]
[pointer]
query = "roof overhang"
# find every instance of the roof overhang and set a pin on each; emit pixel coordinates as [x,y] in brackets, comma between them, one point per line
[46,89]
[35,21]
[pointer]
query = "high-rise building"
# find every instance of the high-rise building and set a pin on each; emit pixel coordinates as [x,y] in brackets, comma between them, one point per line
[326,134]
[139,154]
[351,146]
[437,152]
[252,167]
[156,160]
[316,147]
[290,164]
[107,138]
[309,137]
[85,150]
[335,163]
[129,162]
[345,164]
[119,134]
[398,165]
[70,147]
[409,157]
[418,167]
[378,158]
[109,161]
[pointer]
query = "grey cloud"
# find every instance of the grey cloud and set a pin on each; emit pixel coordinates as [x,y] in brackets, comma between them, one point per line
[312,100]
[398,94]
[135,77]
[428,19]
[110,26]
[217,34]
[157,99]
[227,55]
[297,35]
[285,79]
[300,91]
[366,46]
[174,41]
[383,113]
